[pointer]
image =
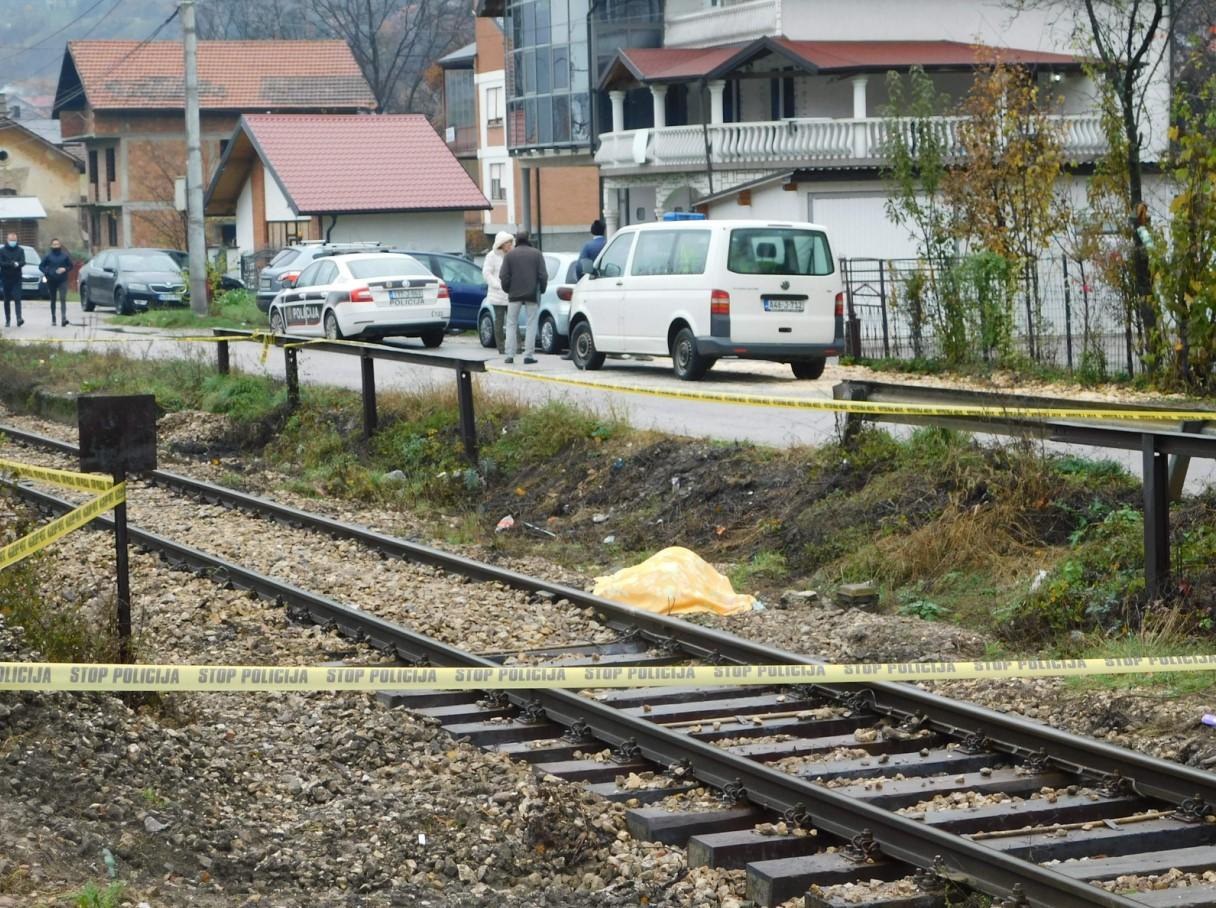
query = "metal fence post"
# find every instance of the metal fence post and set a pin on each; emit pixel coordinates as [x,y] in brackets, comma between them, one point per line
[1156,518]
[221,356]
[1067,313]
[882,298]
[369,394]
[291,368]
[468,421]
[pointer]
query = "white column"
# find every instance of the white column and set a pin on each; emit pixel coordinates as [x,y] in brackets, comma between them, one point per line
[658,94]
[716,88]
[611,215]
[618,110]
[860,144]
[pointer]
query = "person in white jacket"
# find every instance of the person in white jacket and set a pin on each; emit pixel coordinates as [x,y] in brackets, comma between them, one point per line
[495,295]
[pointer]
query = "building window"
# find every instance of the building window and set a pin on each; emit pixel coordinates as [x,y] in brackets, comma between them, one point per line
[494,106]
[498,189]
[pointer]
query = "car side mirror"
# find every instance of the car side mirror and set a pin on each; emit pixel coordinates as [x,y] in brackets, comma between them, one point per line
[587,267]
[109,269]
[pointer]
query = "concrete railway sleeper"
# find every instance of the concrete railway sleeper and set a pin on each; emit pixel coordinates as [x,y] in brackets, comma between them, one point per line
[651,729]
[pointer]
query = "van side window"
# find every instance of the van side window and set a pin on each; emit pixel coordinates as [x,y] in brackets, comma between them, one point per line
[613,259]
[671,252]
[779,250]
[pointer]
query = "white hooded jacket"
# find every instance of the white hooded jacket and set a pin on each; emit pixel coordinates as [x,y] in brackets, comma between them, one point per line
[495,295]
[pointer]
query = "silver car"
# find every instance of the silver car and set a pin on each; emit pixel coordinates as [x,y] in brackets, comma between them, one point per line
[33,281]
[553,330]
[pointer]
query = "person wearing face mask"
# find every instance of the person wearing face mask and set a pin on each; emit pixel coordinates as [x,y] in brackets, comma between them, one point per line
[57,265]
[12,260]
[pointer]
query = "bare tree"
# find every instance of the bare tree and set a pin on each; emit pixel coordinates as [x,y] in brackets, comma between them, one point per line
[232,20]
[396,43]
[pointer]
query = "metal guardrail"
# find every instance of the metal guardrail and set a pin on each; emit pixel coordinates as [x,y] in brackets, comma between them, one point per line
[368,353]
[1167,446]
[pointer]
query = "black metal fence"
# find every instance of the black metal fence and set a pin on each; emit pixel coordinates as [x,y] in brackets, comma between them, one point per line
[1062,315]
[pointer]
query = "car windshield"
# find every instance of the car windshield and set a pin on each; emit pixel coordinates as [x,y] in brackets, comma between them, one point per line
[389,266]
[147,261]
[31,255]
[779,250]
[284,256]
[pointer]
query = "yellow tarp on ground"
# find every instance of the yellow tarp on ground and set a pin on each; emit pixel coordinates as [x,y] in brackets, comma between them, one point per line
[674,581]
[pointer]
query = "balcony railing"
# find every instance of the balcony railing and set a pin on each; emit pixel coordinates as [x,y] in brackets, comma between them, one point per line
[808,143]
[729,22]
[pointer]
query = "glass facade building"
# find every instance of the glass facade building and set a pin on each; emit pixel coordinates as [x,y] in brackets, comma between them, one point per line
[550,82]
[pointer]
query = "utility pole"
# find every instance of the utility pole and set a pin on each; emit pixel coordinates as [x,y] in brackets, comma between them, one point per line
[196,239]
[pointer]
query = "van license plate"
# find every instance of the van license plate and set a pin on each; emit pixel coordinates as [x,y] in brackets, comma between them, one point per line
[772,305]
[405,297]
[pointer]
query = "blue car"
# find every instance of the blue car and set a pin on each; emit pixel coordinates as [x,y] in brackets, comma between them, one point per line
[466,287]
[553,331]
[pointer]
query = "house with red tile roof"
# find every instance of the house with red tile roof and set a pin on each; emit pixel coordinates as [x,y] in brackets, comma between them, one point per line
[390,179]
[125,101]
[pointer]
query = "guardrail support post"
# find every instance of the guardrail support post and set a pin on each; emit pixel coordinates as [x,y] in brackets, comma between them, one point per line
[468,421]
[291,368]
[1156,518]
[368,370]
[221,356]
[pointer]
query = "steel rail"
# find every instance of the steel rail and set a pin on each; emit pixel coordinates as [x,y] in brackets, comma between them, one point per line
[1147,775]
[898,837]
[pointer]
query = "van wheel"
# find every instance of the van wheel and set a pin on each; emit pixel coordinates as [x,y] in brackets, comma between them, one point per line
[582,348]
[688,364]
[550,342]
[332,330]
[485,329]
[809,369]
[85,303]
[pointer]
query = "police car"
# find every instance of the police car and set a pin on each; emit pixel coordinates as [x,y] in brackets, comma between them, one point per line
[366,295]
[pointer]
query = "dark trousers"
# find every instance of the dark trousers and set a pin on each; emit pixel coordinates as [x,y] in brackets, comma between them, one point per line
[58,291]
[12,294]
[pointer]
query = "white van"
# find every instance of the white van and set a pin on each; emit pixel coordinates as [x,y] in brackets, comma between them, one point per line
[699,290]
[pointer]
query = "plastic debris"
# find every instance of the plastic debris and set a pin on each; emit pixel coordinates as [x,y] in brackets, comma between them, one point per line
[505,524]
[1038,581]
[1209,719]
[608,540]
[539,531]
[674,581]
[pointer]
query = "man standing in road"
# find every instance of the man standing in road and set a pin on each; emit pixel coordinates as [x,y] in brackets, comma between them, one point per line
[524,277]
[593,247]
[57,265]
[12,260]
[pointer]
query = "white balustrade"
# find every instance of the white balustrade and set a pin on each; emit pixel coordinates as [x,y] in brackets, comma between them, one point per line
[741,21]
[804,142]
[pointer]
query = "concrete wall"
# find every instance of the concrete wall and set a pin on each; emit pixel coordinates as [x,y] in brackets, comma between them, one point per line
[429,231]
[245,233]
[37,169]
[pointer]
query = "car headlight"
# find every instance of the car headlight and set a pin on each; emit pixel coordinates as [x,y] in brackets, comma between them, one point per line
[135,285]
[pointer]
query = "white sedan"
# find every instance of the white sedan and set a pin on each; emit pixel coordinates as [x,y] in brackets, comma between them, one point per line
[366,295]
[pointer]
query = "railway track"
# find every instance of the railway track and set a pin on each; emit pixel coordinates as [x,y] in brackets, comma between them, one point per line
[874,770]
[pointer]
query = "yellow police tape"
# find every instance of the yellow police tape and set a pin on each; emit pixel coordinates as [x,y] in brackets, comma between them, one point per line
[873,407]
[43,676]
[111,495]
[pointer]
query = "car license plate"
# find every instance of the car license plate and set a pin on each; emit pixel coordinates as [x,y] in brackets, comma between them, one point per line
[168,297]
[405,297]
[772,305]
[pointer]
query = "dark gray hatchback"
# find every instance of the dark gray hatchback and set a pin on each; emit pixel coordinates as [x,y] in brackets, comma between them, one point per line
[287,265]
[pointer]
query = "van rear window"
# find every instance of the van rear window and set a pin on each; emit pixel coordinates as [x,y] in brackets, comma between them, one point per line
[779,250]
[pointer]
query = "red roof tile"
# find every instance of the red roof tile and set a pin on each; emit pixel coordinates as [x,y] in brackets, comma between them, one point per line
[673,64]
[233,75]
[341,163]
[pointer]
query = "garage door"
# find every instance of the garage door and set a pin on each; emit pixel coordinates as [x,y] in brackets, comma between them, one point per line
[859,227]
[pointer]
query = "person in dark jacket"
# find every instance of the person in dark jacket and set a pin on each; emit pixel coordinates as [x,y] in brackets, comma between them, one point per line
[57,265]
[592,248]
[524,277]
[12,260]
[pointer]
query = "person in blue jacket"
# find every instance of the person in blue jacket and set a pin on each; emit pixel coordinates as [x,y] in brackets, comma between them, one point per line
[57,265]
[592,248]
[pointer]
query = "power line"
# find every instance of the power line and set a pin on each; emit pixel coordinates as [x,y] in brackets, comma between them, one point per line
[40,42]
[92,28]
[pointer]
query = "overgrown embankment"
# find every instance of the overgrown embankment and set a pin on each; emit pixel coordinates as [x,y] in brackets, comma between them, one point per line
[1028,548]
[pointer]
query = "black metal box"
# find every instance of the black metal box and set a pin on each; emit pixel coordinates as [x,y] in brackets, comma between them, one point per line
[117,432]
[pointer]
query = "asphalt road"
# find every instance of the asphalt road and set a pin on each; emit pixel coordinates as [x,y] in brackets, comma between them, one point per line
[764,425]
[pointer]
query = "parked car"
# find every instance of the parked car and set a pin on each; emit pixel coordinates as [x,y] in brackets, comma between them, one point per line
[33,281]
[366,295]
[130,279]
[465,284]
[701,290]
[287,265]
[553,328]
